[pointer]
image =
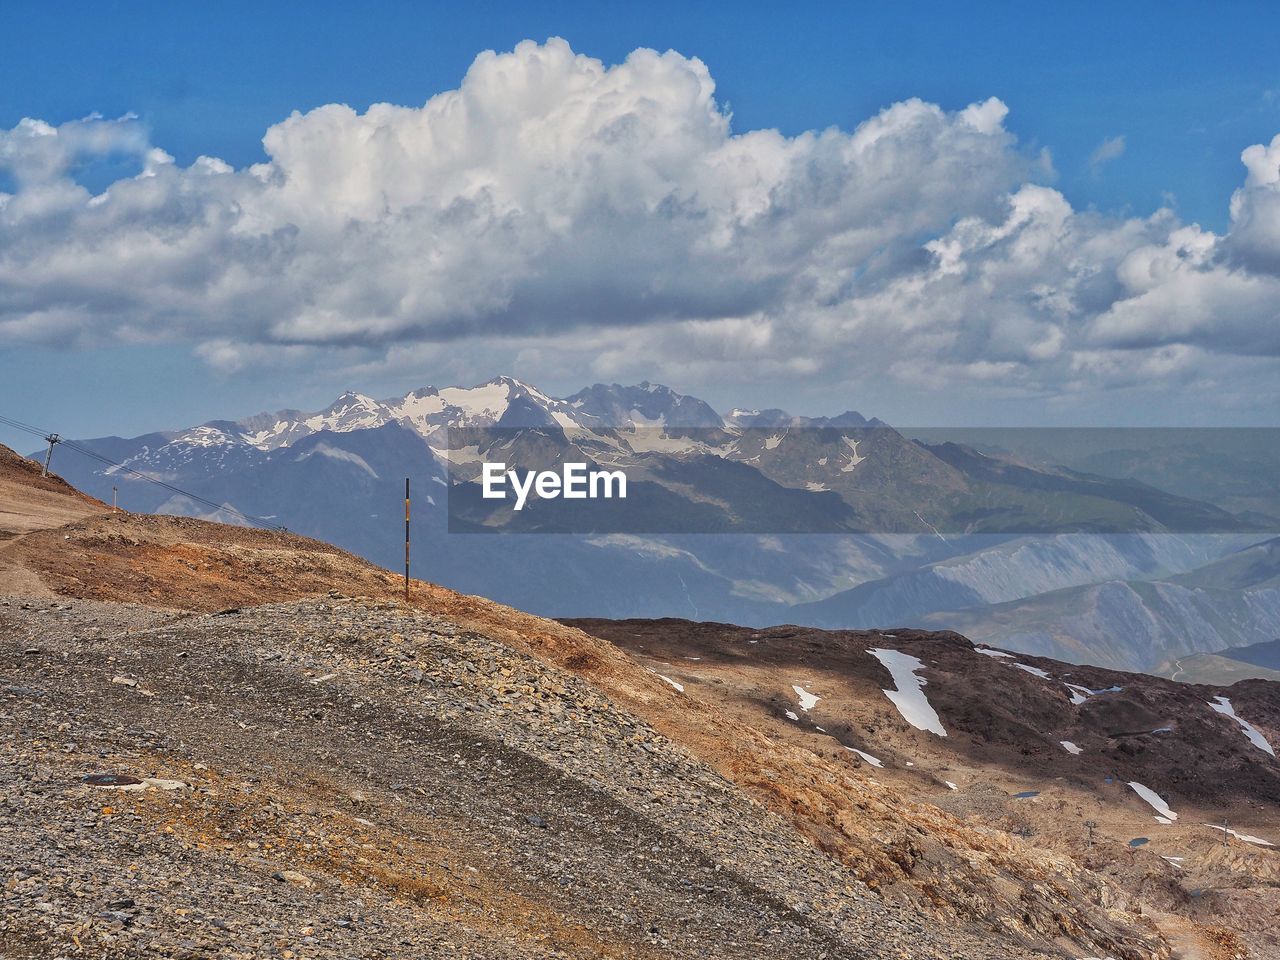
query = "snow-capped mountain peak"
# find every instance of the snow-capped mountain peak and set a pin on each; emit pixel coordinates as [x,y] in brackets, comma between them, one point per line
[351,411]
[206,435]
[503,401]
[643,405]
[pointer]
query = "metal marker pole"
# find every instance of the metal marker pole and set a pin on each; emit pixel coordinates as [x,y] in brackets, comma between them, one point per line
[406,538]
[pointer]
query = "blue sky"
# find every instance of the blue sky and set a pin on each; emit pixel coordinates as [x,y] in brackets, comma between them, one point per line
[1187,87]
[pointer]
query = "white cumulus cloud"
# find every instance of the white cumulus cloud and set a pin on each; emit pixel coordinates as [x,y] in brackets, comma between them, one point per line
[611,215]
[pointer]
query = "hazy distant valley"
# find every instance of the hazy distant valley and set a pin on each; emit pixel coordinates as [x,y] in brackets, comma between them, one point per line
[1128,593]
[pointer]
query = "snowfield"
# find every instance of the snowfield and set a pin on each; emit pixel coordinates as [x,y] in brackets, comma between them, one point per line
[909,696]
[1080,694]
[1223,706]
[1242,836]
[874,761]
[807,700]
[1034,671]
[1157,802]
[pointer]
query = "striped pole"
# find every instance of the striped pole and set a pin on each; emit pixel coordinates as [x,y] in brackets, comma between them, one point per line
[406,538]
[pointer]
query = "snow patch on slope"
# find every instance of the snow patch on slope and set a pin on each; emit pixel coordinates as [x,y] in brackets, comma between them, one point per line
[909,696]
[807,700]
[1034,671]
[1223,706]
[874,761]
[1242,836]
[334,453]
[1156,802]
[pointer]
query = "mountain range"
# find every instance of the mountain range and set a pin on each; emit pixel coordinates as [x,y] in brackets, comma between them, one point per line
[753,516]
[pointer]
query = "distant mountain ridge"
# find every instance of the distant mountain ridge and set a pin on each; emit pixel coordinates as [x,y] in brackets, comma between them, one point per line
[337,474]
[1229,602]
[1257,661]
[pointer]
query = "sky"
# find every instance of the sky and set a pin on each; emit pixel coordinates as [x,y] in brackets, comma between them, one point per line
[935,214]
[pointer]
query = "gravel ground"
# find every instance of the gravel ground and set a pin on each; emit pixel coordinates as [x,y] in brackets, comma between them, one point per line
[345,778]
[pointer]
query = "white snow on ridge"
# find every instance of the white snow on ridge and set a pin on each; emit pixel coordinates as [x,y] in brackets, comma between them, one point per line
[874,761]
[807,700]
[1034,671]
[909,698]
[489,399]
[205,436]
[351,411]
[1007,659]
[679,686]
[853,459]
[1080,694]
[1070,747]
[333,453]
[792,715]
[457,455]
[1156,802]
[1242,836]
[1223,706]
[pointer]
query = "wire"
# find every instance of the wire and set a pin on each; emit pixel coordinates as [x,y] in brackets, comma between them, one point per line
[223,508]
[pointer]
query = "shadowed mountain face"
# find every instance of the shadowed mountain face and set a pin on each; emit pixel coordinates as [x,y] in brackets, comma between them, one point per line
[1139,624]
[1265,655]
[1256,661]
[755,517]
[999,710]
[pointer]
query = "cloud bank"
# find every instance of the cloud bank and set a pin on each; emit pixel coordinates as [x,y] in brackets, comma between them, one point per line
[559,206]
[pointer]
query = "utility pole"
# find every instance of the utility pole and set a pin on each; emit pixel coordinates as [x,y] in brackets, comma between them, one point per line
[1091,825]
[406,538]
[114,508]
[1225,836]
[51,439]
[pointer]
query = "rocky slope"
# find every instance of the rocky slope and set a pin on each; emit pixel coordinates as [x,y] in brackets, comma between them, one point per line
[333,777]
[352,778]
[1129,776]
